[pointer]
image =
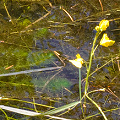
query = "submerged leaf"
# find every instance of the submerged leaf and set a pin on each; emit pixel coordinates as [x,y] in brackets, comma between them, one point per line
[42,33]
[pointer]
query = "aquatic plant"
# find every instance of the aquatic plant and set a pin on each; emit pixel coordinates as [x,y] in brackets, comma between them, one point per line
[78,62]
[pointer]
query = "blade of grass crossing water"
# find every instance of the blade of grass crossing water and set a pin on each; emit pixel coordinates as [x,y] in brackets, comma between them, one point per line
[62,108]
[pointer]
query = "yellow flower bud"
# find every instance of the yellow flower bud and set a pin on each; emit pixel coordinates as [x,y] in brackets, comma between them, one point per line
[105,41]
[77,62]
[102,25]
[97,28]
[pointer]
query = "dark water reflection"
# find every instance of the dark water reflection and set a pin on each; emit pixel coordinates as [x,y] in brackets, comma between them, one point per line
[34,47]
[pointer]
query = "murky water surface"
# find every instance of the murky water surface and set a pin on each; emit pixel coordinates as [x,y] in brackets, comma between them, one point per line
[63,29]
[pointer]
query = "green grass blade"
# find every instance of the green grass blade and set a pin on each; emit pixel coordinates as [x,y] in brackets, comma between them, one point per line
[62,108]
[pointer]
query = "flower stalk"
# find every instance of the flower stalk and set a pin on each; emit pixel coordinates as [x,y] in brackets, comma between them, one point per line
[80,83]
[90,62]
[78,63]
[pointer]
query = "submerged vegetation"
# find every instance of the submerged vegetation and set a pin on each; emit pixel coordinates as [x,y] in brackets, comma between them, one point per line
[38,42]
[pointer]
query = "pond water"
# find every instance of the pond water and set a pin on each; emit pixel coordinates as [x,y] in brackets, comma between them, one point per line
[46,34]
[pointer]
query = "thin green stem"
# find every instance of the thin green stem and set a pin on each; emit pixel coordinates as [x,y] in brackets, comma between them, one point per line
[80,91]
[80,83]
[90,62]
[99,108]
[4,113]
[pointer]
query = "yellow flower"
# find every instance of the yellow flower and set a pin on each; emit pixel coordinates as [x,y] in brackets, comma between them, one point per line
[105,41]
[77,62]
[102,25]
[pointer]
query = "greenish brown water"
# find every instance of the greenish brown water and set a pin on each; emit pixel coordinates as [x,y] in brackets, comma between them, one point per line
[26,48]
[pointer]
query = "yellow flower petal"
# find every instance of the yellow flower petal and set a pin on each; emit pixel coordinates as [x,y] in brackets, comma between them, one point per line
[77,62]
[78,56]
[105,41]
[108,43]
[102,25]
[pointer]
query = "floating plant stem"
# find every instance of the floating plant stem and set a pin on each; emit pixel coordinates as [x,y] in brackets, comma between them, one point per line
[99,108]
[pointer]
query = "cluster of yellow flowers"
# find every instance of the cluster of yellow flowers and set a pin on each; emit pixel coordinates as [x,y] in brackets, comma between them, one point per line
[105,41]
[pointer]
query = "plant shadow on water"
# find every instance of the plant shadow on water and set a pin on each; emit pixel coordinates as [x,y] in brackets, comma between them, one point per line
[51,42]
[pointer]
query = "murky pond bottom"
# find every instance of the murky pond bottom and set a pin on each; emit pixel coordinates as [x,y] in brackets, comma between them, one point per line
[36,46]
